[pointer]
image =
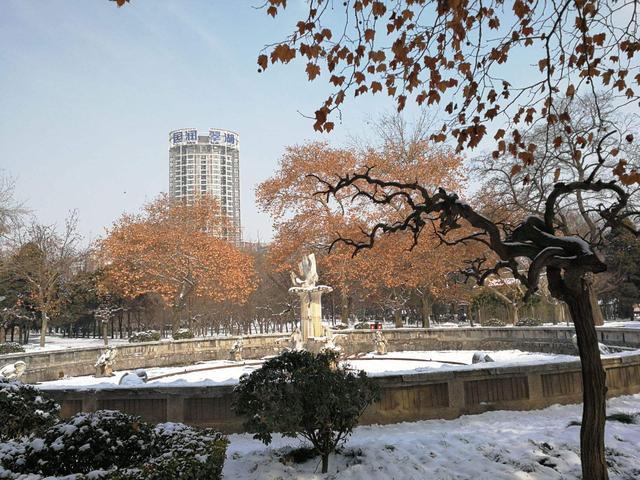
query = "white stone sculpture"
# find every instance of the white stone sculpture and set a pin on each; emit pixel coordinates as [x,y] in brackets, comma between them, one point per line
[380,343]
[104,364]
[139,377]
[236,352]
[308,272]
[295,340]
[479,357]
[13,371]
[310,297]
[330,341]
[604,350]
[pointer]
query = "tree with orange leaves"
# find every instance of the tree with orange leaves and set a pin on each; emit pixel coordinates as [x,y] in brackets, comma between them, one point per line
[304,221]
[173,249]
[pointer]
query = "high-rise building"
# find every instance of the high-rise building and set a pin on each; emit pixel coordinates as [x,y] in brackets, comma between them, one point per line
[207,165]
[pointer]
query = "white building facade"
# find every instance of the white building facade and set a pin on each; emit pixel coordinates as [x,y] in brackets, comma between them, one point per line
[207,164]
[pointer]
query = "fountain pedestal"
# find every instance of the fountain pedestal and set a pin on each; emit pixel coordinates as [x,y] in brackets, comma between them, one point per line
[311,309]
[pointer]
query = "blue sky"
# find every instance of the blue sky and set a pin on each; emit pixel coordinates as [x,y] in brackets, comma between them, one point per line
[90,92]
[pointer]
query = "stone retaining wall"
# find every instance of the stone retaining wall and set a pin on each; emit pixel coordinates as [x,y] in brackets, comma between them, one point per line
[51,365]
[411,397]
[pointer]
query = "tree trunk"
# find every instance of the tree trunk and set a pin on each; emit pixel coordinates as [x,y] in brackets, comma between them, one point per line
[594,389]
[325,463]
[513,313]
[397,314]
[105,332]
[598,319]
[43,330]
[344,308]
[427,310]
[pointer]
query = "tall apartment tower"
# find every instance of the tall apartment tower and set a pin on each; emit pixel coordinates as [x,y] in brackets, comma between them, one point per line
[207,165]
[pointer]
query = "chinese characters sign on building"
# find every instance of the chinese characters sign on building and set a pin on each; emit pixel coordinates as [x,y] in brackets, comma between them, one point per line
[216,137]
[223,137]
[188,135]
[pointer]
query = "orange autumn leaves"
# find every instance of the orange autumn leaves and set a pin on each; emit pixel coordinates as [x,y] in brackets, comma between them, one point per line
[173,249]
[306,221]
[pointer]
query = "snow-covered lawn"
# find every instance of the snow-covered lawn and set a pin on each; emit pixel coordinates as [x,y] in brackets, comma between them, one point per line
[404,363]
[490,446]
[58,342]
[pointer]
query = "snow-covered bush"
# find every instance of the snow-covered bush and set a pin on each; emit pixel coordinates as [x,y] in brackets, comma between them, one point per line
[24,409]
[146,336]
[303,394]
[182,333]
[182,452]
[113,445]
[494,322]
[10,347]
[528,322]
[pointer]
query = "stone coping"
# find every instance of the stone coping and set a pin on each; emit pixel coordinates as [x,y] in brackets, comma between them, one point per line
[428,331]
[53,364]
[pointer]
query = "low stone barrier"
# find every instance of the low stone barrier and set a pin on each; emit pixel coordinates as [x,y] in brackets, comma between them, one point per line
[412,397]
[52,365]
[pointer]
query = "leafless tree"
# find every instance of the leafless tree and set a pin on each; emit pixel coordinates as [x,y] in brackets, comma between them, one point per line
[11,211]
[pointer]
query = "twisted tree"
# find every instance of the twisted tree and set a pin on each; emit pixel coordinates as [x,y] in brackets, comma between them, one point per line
[534,247]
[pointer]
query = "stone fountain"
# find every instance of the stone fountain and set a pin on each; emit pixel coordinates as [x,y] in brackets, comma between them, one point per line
[310,297]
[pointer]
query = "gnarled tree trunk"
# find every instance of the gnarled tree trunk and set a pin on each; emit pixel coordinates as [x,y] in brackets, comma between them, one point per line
[594,389]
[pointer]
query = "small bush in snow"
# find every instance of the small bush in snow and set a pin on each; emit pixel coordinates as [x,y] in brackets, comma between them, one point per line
[112,445]
[303,394]
[24,409]
[146,336]
[494,322]
[10,347]
[182,333]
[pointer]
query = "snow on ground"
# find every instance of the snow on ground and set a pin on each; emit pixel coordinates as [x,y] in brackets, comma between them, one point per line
[623,324]
[386,365]
[382,365]
[58,342]
[501,445]
[224,376]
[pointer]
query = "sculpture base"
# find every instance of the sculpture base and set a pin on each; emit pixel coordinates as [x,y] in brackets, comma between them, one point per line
[311,309]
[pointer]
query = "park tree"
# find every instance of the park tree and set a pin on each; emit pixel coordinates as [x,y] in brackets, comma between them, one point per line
[621,282]
[511,192]
[303,221]
[527,250]
[43,259]
[174,249]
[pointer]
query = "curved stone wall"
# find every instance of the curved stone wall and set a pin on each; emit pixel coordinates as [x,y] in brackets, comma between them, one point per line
[44,366]
[413,397]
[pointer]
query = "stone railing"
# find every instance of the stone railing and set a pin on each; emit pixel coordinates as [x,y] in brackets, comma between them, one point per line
[418,396]
[51,365]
